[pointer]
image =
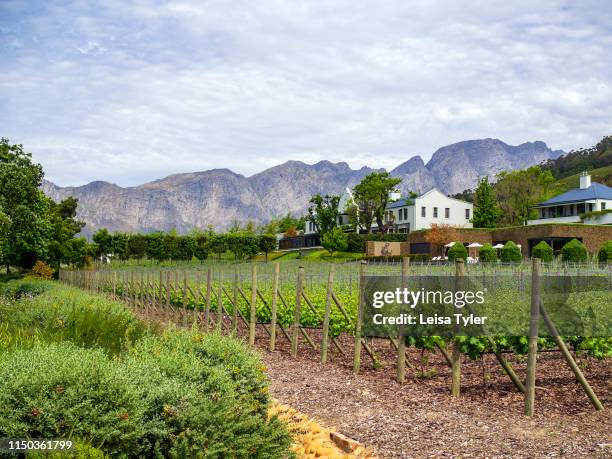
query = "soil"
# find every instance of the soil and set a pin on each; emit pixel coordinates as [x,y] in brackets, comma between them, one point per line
[419,419]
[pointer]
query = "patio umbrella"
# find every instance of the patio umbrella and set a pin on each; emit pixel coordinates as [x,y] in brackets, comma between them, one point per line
[475,244]
[450,244]
[498,246]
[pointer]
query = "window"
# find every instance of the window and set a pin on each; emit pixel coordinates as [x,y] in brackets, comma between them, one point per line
[423,212]
[399,215]
[435,212]
[467,214]
[405,214]
[447,213]
[603,206]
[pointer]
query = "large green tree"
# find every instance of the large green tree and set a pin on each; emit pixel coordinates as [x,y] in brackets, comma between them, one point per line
[518,190]
[323,212]
[486,210]
[26,209]
[65,226]
[372,196]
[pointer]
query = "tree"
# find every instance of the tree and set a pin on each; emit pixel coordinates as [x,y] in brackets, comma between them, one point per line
[242,244]
[64,227]
[334,240]
[104,240]
[25,207]
[542,251]
[486,210]
[518,190]
[605,252]
[324,212]
[574,251]
[457,251]
[441,234]
[217,243]
[120,245]
[372,196]
[510,252]
[487,253]
[267,243]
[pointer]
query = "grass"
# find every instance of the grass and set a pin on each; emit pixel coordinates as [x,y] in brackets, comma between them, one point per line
[601,175]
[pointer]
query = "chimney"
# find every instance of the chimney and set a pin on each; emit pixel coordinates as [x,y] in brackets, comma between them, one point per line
[394,195]
[585,180]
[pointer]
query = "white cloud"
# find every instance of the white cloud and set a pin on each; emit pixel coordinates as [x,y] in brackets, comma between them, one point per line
[132,91]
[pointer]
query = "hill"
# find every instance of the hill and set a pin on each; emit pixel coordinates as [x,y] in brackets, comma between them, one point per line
[219,197]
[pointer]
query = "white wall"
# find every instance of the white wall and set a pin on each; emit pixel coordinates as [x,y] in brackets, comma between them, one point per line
[435,198]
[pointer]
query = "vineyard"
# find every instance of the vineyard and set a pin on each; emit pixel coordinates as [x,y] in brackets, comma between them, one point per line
[316,305]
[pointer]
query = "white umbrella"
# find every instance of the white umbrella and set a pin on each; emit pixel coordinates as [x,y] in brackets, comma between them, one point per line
[450,244]
[475,244]
[498,246]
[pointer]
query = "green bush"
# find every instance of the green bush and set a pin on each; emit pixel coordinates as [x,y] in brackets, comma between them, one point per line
[487,253]
[574,251]
[334,240]
[542,251]
[159,400]
[510,252]
[605,252]
[355,243]
[27,287]
[457,251]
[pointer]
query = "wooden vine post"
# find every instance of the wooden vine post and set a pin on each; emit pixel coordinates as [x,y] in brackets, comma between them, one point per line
[328,300]
[253,311]
[273,312]
[220,302]
[359,321]
[208,296]
[401,340]
[456,351]
[533,338]
[235,304]
[196,298]
[297,312]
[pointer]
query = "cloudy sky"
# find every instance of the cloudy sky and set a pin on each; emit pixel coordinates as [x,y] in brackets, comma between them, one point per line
[130,91]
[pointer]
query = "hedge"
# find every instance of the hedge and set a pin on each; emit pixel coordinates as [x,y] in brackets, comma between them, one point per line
[574,251]
[605,252]
[543,251]
[510,252]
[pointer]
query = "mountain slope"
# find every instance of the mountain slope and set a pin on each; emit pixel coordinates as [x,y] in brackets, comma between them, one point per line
[218,197]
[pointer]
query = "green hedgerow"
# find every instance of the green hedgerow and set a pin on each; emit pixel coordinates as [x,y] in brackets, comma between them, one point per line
[457,251]
[510,252]
[605,252]
[487,253]
[543,251]
[574,251]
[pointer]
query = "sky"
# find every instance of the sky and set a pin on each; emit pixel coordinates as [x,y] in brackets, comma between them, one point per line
[132,91]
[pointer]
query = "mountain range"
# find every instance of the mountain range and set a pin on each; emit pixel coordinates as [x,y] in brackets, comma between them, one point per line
[218,197]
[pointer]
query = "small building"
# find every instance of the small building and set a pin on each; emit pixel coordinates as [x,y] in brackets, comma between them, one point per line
[569,206]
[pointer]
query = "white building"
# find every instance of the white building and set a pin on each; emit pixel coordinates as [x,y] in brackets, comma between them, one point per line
[567,207]
[411,214]
[419,213]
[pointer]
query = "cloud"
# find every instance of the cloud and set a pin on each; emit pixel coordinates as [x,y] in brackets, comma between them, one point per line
[132,91]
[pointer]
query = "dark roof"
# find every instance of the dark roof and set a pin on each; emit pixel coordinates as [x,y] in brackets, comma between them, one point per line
[595,191]
[401,203]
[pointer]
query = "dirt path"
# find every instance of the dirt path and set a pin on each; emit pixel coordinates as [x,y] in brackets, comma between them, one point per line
[419,419]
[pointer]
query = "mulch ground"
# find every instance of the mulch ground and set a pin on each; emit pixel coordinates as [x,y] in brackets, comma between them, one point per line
[419,419]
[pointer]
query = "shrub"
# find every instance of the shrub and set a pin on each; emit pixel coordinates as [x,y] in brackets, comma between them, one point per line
[355,243]
[59,312]
[334,240]
[457,251]
[542,251]
[487,253]
[42,270]
[605,252]
[160,400]
[574,251]
[510,252]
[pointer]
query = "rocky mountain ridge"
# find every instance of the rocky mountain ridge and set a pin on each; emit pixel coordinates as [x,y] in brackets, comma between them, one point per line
[218,197]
